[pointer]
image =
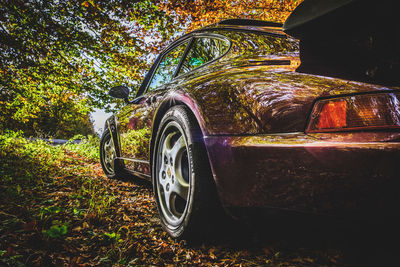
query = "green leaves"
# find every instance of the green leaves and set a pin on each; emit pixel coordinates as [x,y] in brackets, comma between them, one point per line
[58,59]
[56,231]
[49,210]
[110,237]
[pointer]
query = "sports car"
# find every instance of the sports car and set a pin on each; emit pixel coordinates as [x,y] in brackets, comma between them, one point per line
[224,118]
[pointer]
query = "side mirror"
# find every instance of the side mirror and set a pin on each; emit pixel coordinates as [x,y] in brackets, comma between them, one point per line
[120,92]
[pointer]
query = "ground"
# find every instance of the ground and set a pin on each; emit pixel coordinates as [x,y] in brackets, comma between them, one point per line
[59,209]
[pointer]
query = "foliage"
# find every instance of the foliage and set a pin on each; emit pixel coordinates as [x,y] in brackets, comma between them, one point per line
[87,147]
[199,13]
[136,143]
[56,231]
[43,153]
[58,59]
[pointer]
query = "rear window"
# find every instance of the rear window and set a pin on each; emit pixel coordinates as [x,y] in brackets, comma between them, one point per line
[262,44]
[203,50]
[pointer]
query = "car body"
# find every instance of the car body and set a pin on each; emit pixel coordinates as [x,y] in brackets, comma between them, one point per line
[261,125]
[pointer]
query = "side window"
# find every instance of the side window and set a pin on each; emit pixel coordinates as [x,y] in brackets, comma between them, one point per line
[204,49]
[165,71]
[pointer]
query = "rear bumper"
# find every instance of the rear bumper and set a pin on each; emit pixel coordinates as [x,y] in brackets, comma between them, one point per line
[334,174]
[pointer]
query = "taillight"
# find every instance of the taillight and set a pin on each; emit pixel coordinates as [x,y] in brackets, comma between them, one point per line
[333,115]
[358,112]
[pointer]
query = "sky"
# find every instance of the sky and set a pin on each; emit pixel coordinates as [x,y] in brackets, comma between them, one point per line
[99,118]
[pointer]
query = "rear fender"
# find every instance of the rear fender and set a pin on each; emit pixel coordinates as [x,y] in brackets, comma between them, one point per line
[173,99]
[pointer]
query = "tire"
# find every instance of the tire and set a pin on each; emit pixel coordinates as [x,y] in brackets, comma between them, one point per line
[182,181]
[108,154]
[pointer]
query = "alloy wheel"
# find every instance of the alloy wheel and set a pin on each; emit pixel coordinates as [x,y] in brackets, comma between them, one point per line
[173,181]
[109,155]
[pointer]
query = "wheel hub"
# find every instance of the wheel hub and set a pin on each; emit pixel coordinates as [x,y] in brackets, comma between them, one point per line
[169,171]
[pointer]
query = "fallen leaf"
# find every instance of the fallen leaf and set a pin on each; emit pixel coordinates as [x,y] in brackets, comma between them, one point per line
[77,229]
[211,254]
[125,217]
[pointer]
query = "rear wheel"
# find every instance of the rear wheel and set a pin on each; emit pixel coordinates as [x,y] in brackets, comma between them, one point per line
[182,180]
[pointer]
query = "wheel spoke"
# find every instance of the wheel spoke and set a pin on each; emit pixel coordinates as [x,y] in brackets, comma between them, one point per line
[107,145]
[178,146]
[167,142]
[181,188]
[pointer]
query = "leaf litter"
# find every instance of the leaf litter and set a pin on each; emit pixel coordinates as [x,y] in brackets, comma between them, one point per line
[67,213]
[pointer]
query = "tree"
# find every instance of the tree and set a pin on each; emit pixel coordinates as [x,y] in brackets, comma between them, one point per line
[59,58]
[199,13]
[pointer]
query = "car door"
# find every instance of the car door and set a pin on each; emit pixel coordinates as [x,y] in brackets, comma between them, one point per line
[134,121]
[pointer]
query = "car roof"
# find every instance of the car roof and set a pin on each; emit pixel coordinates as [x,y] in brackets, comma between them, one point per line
[249,25]
[245,25]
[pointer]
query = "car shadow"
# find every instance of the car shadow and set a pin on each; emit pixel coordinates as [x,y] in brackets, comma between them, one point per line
[130,178]
[360,242]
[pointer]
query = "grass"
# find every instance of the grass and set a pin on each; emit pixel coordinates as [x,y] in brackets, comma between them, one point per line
[50,186]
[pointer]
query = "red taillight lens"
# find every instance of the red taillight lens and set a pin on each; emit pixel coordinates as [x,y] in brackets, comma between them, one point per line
[332,115]
[359,112]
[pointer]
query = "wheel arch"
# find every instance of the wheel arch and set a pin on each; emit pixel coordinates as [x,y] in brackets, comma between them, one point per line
[169,102]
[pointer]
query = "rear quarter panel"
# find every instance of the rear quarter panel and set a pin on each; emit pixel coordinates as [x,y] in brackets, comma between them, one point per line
[256,99]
